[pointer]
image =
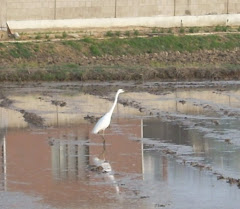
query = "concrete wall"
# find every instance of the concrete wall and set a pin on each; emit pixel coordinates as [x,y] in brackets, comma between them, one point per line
[3,13]
[77,9]
[162,22]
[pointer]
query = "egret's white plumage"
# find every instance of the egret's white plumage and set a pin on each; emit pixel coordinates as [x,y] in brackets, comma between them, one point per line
[105,120]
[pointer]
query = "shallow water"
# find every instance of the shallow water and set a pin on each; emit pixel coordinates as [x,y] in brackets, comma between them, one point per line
[53,167]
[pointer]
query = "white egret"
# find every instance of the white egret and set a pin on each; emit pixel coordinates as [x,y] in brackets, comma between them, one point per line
[105,120]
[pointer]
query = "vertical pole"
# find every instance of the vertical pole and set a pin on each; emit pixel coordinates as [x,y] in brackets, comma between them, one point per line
[55,9]
[4,156]
[174,8]
[227,6]
[142,148]
[115,14]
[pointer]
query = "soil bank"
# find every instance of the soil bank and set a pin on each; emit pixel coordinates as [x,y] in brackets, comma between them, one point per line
[165,57]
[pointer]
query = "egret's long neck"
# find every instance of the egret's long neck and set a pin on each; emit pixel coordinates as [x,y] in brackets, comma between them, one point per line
[114,104]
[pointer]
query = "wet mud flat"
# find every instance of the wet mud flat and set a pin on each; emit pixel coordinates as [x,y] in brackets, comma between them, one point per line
[170,145]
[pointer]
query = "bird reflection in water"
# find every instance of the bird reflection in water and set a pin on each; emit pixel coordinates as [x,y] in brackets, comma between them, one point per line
[70,160]
[103,166]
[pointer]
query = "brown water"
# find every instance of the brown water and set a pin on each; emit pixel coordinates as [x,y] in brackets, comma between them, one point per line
[52,167]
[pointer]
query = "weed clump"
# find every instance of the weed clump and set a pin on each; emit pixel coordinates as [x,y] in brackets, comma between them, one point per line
[127,33]
[181,30]
[64,35]
[117,33]
[109,34]
[136,33]
[220,28]
[94,49]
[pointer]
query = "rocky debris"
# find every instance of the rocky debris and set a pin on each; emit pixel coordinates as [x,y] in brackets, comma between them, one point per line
[5,102]
[229,180]
[219,177]
[131,103]
[141,109]
[32,118]
[198,165]
[94,168]
[182,102]
[92,119]
[144,197]
[228,141]
[59,103]
[169,152]
[215,122]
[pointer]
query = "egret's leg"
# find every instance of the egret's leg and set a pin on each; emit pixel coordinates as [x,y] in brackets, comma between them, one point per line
[104,149]
[104,145]
[102,155]
[103,135]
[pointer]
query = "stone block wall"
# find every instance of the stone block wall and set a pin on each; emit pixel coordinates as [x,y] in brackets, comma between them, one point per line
[77,9]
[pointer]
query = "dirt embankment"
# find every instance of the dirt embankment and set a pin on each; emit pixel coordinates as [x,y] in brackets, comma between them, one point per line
[74,60]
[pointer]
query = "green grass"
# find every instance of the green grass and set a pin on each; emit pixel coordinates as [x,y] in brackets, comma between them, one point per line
[64,35]
[136,33]
[117,33]
[31,67]
[182,30]
[2,45]
[38,36]
[219,28]
[109,34]
[128,46]
[95,51]
[139,45]
[77,45]
[193,30]
[36,48]
[127,33]
[87,39]
[20,50]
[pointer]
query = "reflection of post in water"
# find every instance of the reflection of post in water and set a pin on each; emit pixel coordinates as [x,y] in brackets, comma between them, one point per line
[57,114]
[102,154]
[69,158]
[4,157]
[164,168]
[176,101]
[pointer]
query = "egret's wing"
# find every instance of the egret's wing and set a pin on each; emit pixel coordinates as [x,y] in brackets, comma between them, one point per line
[102,123]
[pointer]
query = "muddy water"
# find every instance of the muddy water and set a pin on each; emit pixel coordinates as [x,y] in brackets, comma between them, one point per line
[171,159]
